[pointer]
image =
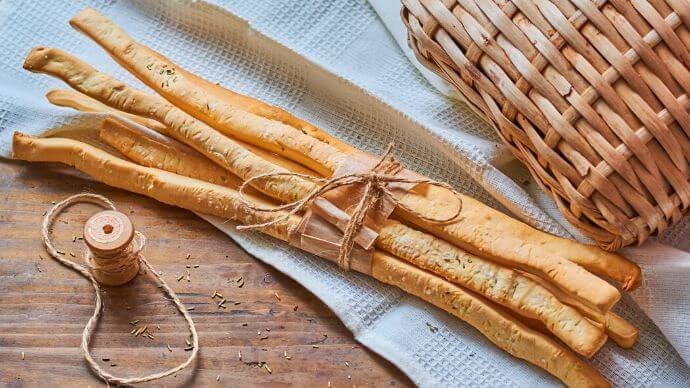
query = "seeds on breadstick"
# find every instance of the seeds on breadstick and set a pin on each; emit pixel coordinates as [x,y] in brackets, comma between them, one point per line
[499,284]
[522,246]
[81,102]
[500,328]
[221,149]
[163,77]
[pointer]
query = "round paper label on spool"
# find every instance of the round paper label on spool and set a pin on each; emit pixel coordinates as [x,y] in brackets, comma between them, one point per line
[108,232]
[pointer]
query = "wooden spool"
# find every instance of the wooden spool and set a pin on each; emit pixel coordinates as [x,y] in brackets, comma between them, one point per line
[591,95]
[107,234]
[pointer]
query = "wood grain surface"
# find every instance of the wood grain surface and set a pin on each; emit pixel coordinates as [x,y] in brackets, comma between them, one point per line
[270,320]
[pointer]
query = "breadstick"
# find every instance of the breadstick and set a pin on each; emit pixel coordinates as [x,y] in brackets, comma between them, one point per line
[499,327]
[79,101]
[618,329]
[524,247]
[501,285]
[506,332]
[160,185]
[151,152]
[143,62]
[221,149]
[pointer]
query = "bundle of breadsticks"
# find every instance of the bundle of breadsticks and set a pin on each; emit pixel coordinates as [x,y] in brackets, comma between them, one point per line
[198,146]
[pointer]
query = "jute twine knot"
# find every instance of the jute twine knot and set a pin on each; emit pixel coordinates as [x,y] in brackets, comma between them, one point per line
[375,183]
[112,267]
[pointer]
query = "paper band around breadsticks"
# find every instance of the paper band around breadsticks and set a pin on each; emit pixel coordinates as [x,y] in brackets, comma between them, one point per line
[370,187]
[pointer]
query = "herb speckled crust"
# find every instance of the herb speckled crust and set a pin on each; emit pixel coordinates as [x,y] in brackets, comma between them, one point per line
[502,285]
[181,126]
[501,329]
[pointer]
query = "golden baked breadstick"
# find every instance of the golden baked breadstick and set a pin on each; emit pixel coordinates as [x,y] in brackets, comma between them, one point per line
[521,245]
[160,185]
[618,329]
[73,99]
[81,102]
[281,137]
[506,332]
[221,149]
[84,78]
[500,328]
[501,285]
[165,155]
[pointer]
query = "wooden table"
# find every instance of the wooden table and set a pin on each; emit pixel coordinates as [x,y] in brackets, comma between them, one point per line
[271,320]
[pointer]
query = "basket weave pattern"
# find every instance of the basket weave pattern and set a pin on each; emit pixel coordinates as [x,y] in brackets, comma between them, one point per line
[591,95]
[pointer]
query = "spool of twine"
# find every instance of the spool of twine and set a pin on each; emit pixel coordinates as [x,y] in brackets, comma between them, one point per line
[113,257]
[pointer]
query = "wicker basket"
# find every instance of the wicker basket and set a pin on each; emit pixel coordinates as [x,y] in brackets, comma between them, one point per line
[591,95]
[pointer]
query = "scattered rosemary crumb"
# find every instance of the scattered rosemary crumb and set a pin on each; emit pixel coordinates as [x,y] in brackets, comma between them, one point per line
[347,364]
[276,295]
[23,356]
[263,338]
[105,359]
[188,343]
[191,308]
[349,377]
[268,369]
[295,308]
[196,265]
[433,328]
[169,348]
[180,277]
[239,355]
[60,252]
[74,238]
[113,364]
[218,378]
[134,322]
[244,324]
[188,256]
[315,346]
[72,254]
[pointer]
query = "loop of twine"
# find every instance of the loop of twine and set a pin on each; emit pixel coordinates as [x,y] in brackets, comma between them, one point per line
[95,263]
[374,181]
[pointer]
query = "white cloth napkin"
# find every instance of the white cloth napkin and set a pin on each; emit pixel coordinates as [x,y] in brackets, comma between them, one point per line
[332,63]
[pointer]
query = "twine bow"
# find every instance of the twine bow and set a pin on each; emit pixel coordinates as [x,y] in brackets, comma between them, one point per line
[375,183]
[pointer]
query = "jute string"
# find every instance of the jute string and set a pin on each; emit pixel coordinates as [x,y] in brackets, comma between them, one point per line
[95,263]
[375,183]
